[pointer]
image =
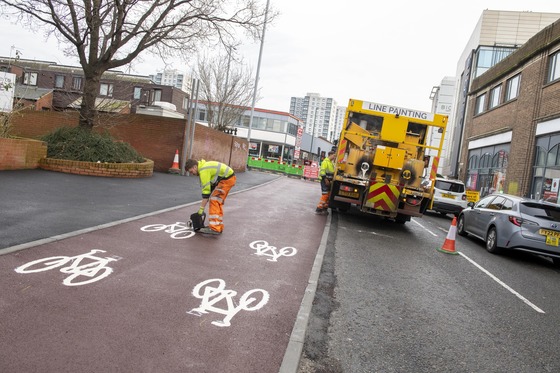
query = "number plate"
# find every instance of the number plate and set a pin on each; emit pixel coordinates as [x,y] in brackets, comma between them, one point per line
[552,241]
[348,194]
[445,195]
[551,236]
[546,232]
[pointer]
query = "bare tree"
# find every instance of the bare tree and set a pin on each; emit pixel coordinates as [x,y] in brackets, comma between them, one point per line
[226,86]
[106,34]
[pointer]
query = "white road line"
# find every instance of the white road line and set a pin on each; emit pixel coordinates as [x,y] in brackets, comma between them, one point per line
[426,229]
[503,284]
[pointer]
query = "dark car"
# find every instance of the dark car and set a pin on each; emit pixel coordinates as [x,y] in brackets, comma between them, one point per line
[505,221]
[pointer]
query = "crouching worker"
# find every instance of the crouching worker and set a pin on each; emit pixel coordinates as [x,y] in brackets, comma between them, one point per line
[216,180]
[326,174]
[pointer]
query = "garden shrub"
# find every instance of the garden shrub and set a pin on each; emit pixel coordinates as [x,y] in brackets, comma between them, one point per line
[79,144]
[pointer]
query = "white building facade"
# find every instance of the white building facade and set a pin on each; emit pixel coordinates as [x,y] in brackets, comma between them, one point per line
[442,103]
[319,115]
[173,78]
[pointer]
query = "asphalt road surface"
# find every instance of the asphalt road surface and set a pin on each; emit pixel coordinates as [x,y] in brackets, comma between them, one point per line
[149,295]
[389,301]
[386,300]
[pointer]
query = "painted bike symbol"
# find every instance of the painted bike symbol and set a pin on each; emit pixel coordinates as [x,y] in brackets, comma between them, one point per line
[95,270]
[263,250]
[216,289]
[178,231]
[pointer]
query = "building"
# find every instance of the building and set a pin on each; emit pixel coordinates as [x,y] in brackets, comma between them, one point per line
[497,34]
[512,127]
[274,135]
[319,115]
[46,85]
[442,103]
[173,78]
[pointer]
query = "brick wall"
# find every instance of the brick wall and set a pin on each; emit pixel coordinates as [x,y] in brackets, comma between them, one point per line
[18,154]
[535,103]
[124,170]
[156,138]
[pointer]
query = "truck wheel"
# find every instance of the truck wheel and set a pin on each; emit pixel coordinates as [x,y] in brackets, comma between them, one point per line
[401,219]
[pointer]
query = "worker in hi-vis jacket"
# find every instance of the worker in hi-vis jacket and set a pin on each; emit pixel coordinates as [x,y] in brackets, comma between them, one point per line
[216,180]
[326,174]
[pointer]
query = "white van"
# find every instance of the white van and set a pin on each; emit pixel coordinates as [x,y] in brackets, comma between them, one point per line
[449,196]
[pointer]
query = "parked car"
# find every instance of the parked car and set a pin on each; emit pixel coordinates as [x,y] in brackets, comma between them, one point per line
[449,196]
[505,221]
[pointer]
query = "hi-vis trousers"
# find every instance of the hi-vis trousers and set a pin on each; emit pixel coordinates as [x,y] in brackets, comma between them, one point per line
[217,198]
[325,193]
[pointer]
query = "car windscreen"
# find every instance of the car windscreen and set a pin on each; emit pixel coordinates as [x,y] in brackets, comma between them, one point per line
[539,210]
[450,186]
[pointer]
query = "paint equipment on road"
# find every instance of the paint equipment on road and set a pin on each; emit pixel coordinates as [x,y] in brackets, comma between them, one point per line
[197,221]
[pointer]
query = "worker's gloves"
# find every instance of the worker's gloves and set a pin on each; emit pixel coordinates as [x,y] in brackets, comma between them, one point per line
[201,211]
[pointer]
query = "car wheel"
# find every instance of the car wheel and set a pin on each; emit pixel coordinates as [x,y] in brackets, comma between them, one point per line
[492,241]
[461,226]
[556,262]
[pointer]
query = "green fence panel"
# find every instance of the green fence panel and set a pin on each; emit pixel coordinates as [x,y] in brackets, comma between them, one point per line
[270,165]
[281,167]
[294,170]
[255,162]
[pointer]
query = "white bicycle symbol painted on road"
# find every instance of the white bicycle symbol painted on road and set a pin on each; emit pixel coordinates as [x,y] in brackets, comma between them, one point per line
[94,271]
[263,249]
[178,231]
[216,289]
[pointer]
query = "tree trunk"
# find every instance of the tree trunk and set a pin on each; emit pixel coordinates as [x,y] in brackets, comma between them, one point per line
[88,109]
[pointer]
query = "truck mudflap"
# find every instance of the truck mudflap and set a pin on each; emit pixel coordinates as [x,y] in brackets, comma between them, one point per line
[383,197]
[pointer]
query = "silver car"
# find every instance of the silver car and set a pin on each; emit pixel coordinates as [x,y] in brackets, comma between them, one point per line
[510,222]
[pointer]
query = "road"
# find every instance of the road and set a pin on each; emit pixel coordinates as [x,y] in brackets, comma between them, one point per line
[388,301]
[147,295]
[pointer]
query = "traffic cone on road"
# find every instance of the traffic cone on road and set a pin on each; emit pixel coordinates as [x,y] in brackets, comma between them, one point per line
[175,166]
[449,244]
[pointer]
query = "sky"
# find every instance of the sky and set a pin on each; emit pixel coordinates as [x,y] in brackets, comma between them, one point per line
[390,52]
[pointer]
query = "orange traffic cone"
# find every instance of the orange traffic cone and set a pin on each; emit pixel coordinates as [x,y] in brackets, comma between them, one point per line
[449,244]
[175,166]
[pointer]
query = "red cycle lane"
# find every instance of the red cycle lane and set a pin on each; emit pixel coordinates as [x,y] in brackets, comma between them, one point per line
[151,296]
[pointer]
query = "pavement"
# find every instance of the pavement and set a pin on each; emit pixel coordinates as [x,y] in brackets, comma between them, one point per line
[38,204]
[42,208]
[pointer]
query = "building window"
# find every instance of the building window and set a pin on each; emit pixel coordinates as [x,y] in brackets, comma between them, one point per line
[157,95]
[77,83]
[106,89]
[554,67]
[30,79]
[495,94]
[490,56]
[512,87]
[480,104]
[137,93]
[59,81]
[185,103]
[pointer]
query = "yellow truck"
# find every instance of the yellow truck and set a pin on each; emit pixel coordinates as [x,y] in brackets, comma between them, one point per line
[381,163]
